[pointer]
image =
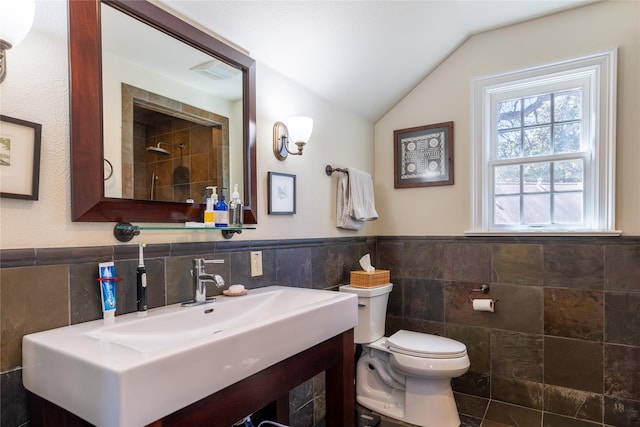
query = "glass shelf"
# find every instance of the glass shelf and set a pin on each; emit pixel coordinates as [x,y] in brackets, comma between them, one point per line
[124,232]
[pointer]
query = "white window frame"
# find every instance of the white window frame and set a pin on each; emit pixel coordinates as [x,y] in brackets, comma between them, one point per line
[596,74]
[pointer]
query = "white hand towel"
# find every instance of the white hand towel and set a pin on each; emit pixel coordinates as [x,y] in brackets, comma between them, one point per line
[344,219]
[355,200]
[361,199]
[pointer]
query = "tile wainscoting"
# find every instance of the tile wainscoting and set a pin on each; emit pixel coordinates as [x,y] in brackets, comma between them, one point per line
[562,348]
[45,288]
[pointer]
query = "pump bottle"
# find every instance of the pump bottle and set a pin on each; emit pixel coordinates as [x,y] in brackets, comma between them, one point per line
[221,212]
[236,213]
[209,212]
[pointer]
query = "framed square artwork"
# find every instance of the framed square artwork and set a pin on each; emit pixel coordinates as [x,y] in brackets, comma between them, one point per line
[423,156]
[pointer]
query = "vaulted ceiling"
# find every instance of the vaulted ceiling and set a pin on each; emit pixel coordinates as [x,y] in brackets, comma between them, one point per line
[363,55]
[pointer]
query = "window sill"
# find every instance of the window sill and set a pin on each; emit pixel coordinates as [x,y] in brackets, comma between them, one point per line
[546,233]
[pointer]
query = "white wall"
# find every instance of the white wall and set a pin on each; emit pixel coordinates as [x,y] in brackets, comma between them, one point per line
[445,95]
[37,89]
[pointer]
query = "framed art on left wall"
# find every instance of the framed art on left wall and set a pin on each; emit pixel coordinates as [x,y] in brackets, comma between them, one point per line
[19,158]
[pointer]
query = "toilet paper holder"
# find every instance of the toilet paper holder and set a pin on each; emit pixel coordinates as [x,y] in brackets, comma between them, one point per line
[484,289]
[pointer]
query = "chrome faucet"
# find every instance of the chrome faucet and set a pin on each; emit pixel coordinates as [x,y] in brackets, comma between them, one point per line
[200,280]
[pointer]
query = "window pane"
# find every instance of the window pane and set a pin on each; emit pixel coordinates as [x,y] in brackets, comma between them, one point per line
[507,210]
[566,138]
[537,177]
[507,180]
[568,208]
[509,144]
[537,209]
[537,110]
[509,114]
[540,134]
[567,105]
[537,141]
[568,175]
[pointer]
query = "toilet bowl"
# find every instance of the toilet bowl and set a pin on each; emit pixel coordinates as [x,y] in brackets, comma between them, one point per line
[406,376]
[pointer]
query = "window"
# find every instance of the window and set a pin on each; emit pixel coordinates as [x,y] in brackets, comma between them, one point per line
[544,148]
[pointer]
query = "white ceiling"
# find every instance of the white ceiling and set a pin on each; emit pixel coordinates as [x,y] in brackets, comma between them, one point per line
[362,55]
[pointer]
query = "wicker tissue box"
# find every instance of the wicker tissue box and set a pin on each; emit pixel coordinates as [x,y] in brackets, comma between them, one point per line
[365,279]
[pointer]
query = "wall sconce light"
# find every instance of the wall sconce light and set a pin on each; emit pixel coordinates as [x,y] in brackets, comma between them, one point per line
[297,130]
[16,20]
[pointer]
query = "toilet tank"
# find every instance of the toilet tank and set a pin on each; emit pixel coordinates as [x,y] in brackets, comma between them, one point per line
[372,311]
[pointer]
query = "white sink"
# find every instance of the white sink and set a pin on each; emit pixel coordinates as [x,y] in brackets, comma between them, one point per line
[133,370]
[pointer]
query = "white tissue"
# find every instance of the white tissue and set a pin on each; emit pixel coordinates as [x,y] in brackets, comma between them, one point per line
[365,263]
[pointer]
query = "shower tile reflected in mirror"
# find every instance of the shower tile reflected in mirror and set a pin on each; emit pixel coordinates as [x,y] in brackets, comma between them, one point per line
[174,151]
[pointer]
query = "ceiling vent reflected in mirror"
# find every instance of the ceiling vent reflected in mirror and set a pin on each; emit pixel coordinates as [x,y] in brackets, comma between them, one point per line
[216,70]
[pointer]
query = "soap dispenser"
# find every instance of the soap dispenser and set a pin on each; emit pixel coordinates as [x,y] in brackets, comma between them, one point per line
[221,212]
[209,212]
[236,213]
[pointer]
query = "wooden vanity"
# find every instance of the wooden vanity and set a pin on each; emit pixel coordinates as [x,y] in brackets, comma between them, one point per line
[335,356]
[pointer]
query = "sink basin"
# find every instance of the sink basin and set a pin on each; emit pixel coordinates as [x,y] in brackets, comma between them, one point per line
[133,370]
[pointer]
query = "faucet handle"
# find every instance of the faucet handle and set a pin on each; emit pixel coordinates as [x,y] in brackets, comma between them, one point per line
[199,263]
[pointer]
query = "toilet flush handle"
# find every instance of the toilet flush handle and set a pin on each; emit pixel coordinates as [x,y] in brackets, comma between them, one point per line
[361,305]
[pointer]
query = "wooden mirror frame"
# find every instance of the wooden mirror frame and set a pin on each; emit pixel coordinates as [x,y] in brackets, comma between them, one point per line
[87,152]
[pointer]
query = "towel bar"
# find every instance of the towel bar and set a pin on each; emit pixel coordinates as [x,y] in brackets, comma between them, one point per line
[329,170]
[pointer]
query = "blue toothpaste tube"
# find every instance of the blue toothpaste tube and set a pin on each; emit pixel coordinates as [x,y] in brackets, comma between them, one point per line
[108,289]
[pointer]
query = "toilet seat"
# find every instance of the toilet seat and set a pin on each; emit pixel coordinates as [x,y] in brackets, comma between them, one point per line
[425,346]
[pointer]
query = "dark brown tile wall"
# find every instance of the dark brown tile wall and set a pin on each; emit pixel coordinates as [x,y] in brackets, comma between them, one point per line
[42,289]
[31,300]
[573,403]
[573,364]
[574,313]
[563,346]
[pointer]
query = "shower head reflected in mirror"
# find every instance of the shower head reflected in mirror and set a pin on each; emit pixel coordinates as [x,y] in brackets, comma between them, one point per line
[159,150]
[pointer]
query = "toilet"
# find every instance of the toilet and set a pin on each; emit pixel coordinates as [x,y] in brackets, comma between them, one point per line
[406,376]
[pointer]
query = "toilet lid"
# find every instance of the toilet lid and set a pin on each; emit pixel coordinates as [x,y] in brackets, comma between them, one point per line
[425,345]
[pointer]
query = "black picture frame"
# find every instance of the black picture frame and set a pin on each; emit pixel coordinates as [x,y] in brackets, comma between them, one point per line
[281,193]
[423,156]
[20,142]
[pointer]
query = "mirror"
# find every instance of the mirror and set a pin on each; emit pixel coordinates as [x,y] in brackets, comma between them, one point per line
[95,155]
[172,117]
